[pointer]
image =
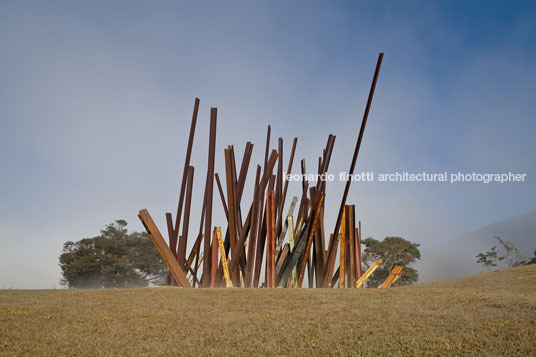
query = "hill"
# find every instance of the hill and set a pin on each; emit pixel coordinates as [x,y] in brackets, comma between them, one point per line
[489,314]
[457,257]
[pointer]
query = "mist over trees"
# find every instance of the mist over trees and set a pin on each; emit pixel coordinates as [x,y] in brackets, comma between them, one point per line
[506,253]
[393,251]
[114,259]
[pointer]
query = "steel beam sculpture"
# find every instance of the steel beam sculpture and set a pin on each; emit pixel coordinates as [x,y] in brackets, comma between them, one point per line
[236,258]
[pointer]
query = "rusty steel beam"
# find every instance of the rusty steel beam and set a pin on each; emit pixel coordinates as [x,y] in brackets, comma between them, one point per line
[243,171]
[331,249]
[240,244]
[393,276]
[316,210]
[281,258]
[222,196]
[304,173]
[181,253]
[163,249]
[342,257]
[319,252]
[185,171]
[171,238]
[279,186]
[285,188]
[270,246]
[351,247]
[231,206]
[209,192]
[261,238]
[253,229]
[358,251]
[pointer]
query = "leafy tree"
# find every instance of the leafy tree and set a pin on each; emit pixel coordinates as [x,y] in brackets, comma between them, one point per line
[393,251]
[533,259]
[510,254]
[114,259]
[513,256]
[489,259]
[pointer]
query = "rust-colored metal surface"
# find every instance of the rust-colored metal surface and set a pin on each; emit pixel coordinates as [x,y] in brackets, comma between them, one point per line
[162,247]
[393,276]
[301,270]
[342,254]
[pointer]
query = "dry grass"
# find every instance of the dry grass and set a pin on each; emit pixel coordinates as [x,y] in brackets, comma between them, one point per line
[487,314]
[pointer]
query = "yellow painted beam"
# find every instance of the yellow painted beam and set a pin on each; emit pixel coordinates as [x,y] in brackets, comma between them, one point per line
[294,280]
[223,259]
[368,273]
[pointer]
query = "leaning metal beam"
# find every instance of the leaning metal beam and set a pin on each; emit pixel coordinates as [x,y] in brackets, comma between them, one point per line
[312,231]
[331,250]
[223,259]
[185,171]
[368,273]
[393,276]
[164,250]
[290,222]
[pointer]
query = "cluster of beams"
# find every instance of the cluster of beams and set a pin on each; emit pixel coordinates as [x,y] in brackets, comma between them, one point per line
[293,243]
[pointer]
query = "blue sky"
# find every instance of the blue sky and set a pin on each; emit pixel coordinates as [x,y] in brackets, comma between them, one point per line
[96,99]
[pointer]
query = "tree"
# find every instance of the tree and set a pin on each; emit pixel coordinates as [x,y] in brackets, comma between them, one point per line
[510,254]
[393,251]
[114,259]
[489,259]
[533,259]
[513,256]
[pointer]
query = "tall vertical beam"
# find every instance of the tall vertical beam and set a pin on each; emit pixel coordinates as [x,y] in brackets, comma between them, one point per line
[342,258]
[358,251]
[253,229]
[222,196]
[231,199]
[209,191]
[351,247]
[331,251]
[261,234]
[285,188]
[290,222]
[185,170]
[181,253]
[214,263]
[270,239]
[279,183]
[171,238]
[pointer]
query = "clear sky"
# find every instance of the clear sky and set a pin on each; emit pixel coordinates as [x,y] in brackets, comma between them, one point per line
[96,100]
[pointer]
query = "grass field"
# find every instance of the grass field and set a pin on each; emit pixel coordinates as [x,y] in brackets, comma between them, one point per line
[487,314]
